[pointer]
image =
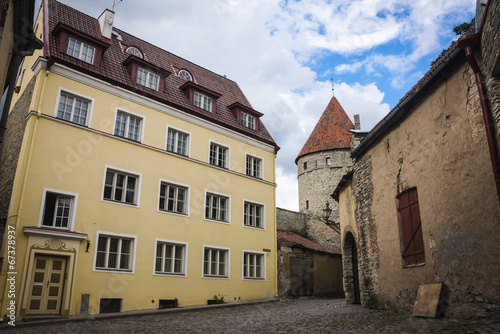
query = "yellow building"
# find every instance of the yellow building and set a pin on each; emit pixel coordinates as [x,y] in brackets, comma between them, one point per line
[141,178]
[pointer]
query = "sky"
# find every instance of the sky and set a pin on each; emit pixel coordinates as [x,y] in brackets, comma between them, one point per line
[287,55]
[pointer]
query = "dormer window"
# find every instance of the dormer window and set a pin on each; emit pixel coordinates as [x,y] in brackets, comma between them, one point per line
[148,79]
[134,51]
[246,116]
[200,96]
[185,74]
[202,101]
[247,120]
[81,50]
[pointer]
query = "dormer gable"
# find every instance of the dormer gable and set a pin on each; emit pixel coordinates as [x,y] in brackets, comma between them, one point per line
[200,96]
[246,116]
[79,45]
[145,73]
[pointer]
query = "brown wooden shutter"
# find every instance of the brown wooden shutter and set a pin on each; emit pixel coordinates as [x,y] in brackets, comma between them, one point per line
[413,242]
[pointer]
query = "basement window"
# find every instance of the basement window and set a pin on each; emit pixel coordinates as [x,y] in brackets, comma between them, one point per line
[110,305]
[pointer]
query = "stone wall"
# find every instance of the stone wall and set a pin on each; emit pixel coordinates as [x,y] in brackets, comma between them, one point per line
[287,220]
[318,180]
[11,147]
[318,231]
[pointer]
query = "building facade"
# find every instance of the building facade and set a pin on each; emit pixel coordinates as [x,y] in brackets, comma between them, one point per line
[323,159]
[140,178]
[422,199]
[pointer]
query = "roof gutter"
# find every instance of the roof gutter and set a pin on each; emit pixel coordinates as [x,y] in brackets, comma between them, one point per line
[468,43]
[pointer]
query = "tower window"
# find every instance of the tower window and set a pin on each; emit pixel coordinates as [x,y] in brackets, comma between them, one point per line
[305,165]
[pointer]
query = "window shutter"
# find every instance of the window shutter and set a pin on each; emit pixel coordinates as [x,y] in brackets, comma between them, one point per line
[413,243]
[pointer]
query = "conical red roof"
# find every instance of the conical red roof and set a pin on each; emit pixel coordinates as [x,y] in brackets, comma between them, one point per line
[331,132]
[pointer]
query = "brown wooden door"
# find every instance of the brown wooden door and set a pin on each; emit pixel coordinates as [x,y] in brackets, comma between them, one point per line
[47,282]
[301,276]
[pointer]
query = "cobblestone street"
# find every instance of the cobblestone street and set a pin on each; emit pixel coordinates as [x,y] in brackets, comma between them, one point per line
[285,316]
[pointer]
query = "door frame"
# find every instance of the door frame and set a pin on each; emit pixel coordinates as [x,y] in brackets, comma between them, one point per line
[55,248]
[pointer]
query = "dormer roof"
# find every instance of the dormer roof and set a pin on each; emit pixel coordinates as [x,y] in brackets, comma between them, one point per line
[331,132]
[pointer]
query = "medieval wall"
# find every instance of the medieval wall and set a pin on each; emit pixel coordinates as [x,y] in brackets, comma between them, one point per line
[438,148]
[318,180]
[287,220]
[9,151]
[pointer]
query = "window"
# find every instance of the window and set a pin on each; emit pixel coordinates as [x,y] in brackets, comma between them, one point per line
[254,166]
[73,108]
[81,50]
[413,242]
[128,126]
[170,258]
[305,165]
[121,187]
[217,207]
[134,51]
[114,253]
[177,141]
[173,198]
[215,262]
[253,265]
[202,101]
[307,204]
[219,155]
[58,209]
[185,74]
[148,79]
[247,120]
[328,161]
[253,215]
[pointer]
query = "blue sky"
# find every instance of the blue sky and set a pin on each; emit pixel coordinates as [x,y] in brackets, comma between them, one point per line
[284,54]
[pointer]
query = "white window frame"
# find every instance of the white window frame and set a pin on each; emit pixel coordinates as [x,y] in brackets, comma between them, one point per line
[132,50]
[263,215]
[228,154]
[184,259]
[261,169]
[133,247]
[188,145]
[228,207]
[202,100]
[142,122]
[148,77]
[228,262]
[186,202]
[72,214]
[328,161]
[80,52]
[137,195]
[183,76]
[245,120]
[263,265]
[90,100]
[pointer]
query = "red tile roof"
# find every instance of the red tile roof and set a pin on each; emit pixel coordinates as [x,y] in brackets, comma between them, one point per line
[290,239]
[331,131]
[113,71]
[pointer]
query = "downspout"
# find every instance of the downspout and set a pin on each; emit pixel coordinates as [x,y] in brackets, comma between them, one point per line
[468,43]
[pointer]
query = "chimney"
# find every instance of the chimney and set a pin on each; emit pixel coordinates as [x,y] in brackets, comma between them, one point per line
[106,23]
[357,124]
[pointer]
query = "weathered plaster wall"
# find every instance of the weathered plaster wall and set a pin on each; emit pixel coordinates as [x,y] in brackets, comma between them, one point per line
[317,182]
[439,149]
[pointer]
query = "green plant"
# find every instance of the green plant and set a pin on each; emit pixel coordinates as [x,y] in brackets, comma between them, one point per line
[176,302]
[219,300]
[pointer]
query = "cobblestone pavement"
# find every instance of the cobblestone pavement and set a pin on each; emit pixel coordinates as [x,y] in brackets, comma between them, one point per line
[302,315]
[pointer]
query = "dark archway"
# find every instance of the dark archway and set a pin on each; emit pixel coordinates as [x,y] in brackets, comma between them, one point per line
[351,271]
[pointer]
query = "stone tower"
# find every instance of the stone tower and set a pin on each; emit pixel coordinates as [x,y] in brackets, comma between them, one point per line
[324,159]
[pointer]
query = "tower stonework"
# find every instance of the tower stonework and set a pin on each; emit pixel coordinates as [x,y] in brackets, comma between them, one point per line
[323,160]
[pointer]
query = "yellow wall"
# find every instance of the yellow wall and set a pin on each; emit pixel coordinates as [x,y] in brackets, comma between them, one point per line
[69,158]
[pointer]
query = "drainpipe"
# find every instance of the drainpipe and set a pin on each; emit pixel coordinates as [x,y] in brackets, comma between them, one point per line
[468,43]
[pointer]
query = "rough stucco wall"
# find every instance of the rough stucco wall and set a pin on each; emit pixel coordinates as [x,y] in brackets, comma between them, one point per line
[437,149]
[16,124]
[283,271]
[287,220]
[321,233]
[317,182]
